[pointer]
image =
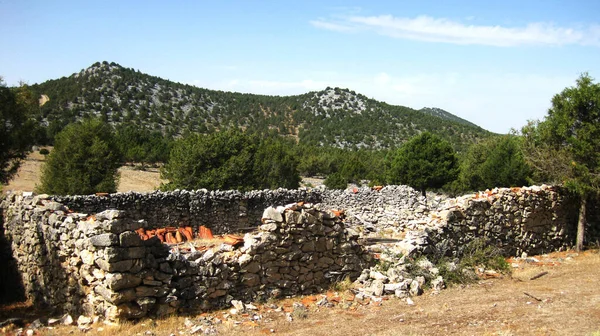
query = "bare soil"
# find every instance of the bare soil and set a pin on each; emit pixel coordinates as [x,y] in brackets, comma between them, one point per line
[565,301]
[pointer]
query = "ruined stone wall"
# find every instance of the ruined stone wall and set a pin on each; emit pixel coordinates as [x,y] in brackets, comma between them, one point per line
[533,220]
[99,266]
[85,258]
[222,211]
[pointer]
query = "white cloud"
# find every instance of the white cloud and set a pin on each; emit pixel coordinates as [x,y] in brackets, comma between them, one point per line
[331,26]
[426,28]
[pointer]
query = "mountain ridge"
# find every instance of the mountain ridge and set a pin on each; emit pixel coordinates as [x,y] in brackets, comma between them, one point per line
[330,117]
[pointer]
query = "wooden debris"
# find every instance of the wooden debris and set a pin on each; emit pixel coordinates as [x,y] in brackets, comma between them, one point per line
[533,297]
[538,276]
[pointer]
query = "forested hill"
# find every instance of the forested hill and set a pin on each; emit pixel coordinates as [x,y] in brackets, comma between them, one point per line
[438,112]
[333,116]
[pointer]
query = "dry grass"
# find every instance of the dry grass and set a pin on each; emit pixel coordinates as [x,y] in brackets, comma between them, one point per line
[139,180]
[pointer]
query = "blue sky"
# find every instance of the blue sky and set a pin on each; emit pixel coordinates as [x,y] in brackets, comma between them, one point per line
[495,63]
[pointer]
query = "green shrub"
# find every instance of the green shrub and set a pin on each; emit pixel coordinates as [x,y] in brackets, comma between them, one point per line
[230,160]
[335,181]
[85,160]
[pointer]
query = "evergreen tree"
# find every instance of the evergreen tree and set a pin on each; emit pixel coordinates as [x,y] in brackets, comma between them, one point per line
[219,161]
[496,162]
[275,166]
[565,146]
[336,181]
[16,128]
[85,160]
[424,162]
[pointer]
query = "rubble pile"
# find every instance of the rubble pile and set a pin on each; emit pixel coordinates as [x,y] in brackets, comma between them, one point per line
[390,209]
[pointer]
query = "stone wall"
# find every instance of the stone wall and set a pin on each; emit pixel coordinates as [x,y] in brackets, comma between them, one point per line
[222,211]
[532,220]
[99,266]
[77,256]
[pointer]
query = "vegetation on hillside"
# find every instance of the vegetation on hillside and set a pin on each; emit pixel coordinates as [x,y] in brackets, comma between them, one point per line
[224,140]
[496,162]
[425,162]
[332,117]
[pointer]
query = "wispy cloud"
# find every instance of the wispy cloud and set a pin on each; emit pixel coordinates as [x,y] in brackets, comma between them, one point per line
[339,27]
[426,28]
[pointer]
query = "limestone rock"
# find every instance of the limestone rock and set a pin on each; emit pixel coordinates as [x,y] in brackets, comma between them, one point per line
[105,239]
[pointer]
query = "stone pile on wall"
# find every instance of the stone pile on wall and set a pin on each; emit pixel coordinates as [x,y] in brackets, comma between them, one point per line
[392,208]
[223,211]
[98,265]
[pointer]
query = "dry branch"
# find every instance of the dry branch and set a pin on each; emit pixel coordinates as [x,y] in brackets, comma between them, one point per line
[538,276]
[533,297]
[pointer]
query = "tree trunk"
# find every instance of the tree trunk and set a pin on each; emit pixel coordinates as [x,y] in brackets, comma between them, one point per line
[581,224]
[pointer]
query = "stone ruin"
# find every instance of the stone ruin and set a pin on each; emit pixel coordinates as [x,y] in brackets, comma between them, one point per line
[99,265]
[76,256]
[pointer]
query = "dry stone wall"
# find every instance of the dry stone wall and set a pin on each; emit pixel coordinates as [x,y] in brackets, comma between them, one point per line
[532,220]
[98,265]
[222,211]
[81,254]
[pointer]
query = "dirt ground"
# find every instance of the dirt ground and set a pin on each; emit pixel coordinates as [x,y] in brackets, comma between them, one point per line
[565,301]
[29,175]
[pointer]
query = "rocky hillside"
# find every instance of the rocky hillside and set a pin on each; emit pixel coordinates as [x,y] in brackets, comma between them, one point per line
[334,116]
[438,112]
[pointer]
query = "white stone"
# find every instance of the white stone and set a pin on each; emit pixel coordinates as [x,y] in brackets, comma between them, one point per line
[239,305]
[391,288]
[272,213]
[83,320]
[67,320]
[87,257]
[377,276]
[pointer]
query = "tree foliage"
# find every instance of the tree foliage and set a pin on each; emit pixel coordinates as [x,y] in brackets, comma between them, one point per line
[85,160]
[17,106]
[230,160]
[424,162]
[275,165]
[496,162]
[569,137]
[138,144]
[336,181]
